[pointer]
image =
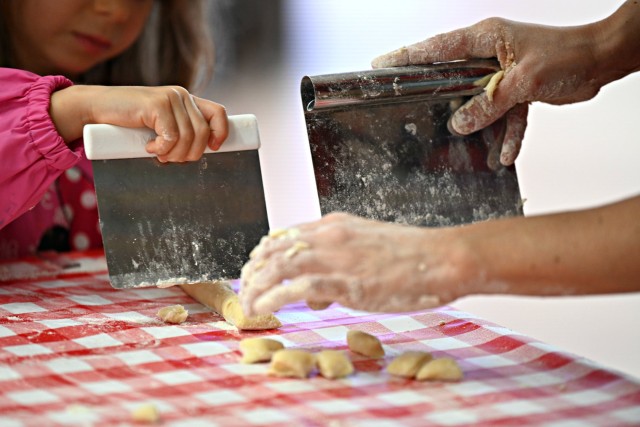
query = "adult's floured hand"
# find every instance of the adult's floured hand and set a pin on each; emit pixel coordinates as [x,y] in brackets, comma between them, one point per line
[359,263]
[555,65]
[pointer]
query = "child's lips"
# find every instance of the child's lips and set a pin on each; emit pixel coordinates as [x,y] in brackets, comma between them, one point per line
[93,44]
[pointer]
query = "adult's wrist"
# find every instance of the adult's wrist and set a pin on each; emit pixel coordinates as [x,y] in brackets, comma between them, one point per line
[617,43]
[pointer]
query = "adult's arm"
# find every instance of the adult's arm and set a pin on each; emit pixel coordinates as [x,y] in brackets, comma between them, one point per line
[556,65]
[377,266]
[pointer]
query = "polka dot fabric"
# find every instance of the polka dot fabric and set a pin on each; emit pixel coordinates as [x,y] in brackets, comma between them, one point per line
[78,195]
[70,205]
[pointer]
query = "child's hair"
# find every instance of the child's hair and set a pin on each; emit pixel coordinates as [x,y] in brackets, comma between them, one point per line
[175,48]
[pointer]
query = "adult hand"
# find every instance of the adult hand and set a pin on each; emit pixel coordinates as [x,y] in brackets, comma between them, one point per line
[185,124]
[555,65]
[359,263]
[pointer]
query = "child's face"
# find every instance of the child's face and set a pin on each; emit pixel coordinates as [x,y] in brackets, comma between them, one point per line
[71,36]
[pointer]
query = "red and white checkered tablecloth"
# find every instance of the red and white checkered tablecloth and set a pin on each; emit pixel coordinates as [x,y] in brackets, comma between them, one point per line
[74,351]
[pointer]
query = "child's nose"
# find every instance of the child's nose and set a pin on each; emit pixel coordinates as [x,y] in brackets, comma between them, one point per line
[116,9]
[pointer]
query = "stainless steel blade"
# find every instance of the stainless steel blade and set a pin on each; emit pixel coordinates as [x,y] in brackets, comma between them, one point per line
[381,147]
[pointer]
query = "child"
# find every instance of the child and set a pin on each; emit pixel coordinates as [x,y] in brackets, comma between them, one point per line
[68,63]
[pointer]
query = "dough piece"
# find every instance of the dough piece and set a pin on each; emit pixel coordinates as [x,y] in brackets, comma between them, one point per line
[493,84]
[334,364]
[256,350]
[364,344]
[173,314]
[318,305]
[444,369]
[284,233]
[408,364]
[146,413]
[220,297]
[297,247]
[292,363]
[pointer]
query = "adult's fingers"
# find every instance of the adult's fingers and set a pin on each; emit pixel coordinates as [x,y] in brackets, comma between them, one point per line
[262,274]
[312,288]
[477,41]
[481,111]
[493,137]
[516,124]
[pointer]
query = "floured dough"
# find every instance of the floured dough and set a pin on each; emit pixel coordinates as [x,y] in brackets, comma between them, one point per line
[292,363]
[408,364]
[493,84]
[334,364]
[173,314]
[318,305]
[284,233]
[364,344]
[146,413]
[256,350]
[297,247]
[220,297]
[444,369]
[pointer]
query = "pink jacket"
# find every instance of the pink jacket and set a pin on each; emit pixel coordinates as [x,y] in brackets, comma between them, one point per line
[43,181]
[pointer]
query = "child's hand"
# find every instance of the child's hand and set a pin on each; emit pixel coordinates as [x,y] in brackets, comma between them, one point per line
[185,124]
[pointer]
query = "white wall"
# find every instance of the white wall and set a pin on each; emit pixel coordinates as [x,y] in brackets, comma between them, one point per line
[573,156]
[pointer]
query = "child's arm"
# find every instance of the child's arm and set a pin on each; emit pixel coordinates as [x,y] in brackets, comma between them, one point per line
[186,124]
[42,120]
[32,153]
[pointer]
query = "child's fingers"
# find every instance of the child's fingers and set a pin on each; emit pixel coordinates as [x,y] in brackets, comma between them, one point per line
[199,131]
[185,126]
[186,116]
[166,125]
[216,117]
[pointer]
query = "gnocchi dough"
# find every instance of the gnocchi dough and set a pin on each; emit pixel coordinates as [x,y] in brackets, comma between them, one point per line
[146,413]
[292,363]
[256,350]
[407,364]
[444,369]
[493,84]
[173,314]
[297,247]
[220,297]
[364,344]
[318,305]
[333,364]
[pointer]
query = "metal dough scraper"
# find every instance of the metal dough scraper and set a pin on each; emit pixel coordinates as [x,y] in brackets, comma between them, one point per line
[381,147]
[172,223]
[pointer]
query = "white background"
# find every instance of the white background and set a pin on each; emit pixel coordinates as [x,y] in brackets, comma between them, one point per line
[573,156]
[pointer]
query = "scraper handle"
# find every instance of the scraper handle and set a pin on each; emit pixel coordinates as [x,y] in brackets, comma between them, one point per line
[107,142]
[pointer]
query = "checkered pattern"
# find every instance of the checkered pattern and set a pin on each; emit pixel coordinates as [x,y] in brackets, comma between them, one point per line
[74,351]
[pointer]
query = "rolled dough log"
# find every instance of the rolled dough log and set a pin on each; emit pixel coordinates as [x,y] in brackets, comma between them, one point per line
[221,298]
